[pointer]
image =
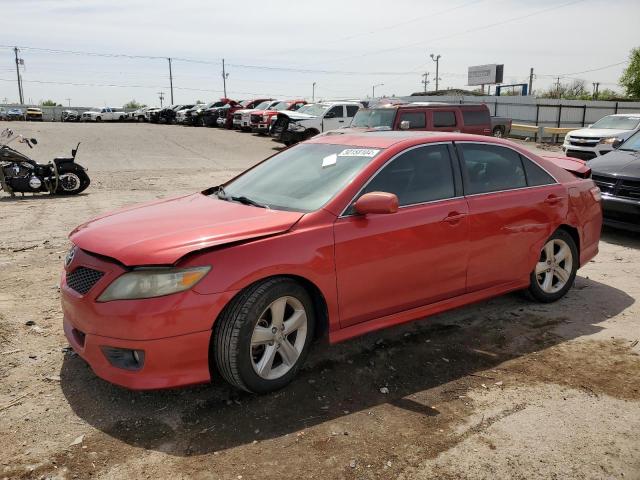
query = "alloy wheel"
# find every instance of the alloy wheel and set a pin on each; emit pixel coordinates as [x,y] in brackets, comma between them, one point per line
[279,338]
[554,268]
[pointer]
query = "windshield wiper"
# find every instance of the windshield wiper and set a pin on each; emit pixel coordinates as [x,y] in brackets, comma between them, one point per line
[248,201]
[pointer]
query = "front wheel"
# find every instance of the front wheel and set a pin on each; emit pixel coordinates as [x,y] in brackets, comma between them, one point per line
[556,269]
[263,336]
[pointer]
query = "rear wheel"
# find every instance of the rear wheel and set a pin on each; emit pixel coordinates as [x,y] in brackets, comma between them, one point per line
[263,336]
[72,181]
[498,132]
[556,269]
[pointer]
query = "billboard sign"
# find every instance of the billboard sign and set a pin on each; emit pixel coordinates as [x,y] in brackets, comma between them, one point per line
[485,74]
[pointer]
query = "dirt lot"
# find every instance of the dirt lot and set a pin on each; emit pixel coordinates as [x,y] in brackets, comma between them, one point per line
[503,389]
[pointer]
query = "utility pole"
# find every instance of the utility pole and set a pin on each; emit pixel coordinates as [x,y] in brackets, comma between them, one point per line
[161,94]
[313,92]
[531,81]
[596,87]
[558,87]
[373,89]
[68,101]
[170,80]
[436,58]
[425,82]
[18,62]
[225,75]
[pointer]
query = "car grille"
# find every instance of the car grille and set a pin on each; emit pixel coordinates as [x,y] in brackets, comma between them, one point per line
[618,187]
[583,141]
[237,116]
[581,155]
[256,118]
[82,279]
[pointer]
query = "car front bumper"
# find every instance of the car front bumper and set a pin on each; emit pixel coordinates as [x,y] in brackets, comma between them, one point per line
[621,213]
[586,153]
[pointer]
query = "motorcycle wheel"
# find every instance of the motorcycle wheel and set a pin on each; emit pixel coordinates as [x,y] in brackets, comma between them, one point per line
[72,181]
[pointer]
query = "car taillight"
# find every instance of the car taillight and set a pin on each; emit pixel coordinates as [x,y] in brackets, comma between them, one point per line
[486,130]
[596,194]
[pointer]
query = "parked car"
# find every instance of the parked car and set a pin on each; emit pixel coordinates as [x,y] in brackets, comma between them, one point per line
[195,115]
[181,113]
[167,114]
[240,278]
[220,108]
[151,113]
[261,119]
[293,127]
[103,114]
[245,106]
[618,175]
[139,115]
[245,114]
[70,116]
[431,116]
[34,114]
[601,137]
[15,114]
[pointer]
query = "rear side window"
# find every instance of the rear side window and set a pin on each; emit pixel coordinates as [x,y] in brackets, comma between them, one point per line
[415,119]
[536,174]
[491,168]
[423,174]
[476,117]
[352,110]
[444,119]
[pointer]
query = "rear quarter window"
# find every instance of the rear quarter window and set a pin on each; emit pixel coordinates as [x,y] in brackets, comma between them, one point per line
[444,119]
[476,117]
[536,175]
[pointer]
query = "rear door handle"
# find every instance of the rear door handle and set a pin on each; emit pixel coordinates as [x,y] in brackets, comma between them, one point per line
[454,217]
[552,199]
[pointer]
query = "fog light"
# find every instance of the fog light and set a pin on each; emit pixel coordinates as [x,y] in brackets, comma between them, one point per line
[124,358]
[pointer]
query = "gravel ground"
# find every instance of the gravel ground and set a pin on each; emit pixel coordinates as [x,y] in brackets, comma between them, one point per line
[501,389]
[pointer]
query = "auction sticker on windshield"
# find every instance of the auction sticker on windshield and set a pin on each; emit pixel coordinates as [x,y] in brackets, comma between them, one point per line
[358,152]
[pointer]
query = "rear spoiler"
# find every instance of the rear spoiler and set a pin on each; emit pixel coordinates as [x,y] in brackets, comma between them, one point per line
[578,167]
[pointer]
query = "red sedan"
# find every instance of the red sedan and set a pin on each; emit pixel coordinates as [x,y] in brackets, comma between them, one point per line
[342,234]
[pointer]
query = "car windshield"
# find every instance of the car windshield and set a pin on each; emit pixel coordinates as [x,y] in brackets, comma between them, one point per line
[374,117]
[262,106]
[302,178]
[316,109]
[617,122]
[632,144]
[305,108]
[281,106]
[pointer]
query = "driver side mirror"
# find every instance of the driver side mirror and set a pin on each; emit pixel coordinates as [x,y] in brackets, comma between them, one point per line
[376,202]
[405,125]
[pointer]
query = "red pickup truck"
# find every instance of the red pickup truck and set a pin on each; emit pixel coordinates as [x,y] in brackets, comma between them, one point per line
[261,119]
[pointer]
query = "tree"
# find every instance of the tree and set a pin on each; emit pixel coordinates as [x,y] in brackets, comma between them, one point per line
[48,103]
[132,104]
[630,78]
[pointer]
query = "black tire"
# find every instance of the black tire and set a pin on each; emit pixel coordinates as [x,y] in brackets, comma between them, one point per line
[84,179]
[498,132]
[233,330]
[535,290]
[98,119]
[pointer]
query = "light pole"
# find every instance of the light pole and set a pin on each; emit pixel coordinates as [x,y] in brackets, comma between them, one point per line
[313,92]
[373,89]
[436,58]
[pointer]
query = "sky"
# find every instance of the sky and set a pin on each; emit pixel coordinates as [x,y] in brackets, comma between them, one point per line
[279,48]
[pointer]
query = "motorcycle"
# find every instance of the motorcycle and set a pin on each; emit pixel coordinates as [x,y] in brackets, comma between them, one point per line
[21,174]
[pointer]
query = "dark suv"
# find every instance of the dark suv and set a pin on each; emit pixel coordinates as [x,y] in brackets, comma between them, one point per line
[432,116]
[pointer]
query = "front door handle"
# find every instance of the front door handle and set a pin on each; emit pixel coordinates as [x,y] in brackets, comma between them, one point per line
[454,217]
[552,200]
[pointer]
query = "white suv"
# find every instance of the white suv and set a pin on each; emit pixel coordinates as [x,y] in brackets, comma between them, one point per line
[601,137]
[293,127]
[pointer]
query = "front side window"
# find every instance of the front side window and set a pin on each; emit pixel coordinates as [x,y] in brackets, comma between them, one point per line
[336,112]
[422,174]
[352,110]
[302,178]
[491,168]
[444,119]
[416,120]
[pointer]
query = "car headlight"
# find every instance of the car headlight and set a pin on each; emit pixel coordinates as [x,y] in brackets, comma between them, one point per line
[609,140]
[265,118]
[149,282]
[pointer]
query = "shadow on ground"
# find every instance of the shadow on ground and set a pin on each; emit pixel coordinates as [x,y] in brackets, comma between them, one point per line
[623,238]
[342,379]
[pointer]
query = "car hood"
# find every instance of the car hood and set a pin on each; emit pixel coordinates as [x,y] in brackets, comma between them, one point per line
[297,115]
[162,232]
[618,162]
[597,132]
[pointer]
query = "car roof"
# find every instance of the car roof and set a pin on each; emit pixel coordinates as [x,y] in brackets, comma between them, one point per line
[387,138]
